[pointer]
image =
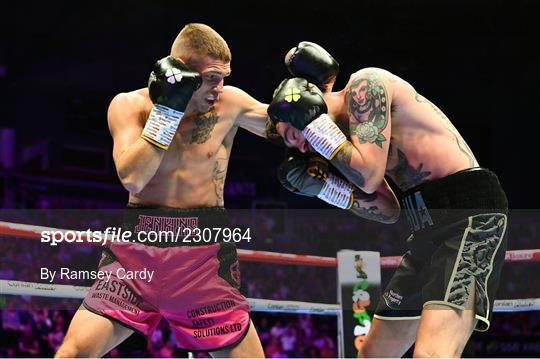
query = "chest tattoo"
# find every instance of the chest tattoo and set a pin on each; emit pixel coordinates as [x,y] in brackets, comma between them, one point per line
[204,124]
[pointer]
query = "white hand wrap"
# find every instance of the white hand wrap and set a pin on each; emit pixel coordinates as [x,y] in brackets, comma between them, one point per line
[324,136]
[161,126]
[337,192]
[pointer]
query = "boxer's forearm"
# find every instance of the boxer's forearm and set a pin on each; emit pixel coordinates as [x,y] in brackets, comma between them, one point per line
[363,168]
[138,164]
[350,162]
[381,205]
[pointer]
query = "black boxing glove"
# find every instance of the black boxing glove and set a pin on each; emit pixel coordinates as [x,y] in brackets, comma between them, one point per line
[308,174]
[171,85]
[301,104]
[312,62]
[298,102]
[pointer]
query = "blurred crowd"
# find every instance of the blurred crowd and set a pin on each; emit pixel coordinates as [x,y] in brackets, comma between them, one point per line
[35,327]
[27,332]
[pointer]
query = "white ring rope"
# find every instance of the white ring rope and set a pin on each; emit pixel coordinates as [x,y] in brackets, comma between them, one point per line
[12,287]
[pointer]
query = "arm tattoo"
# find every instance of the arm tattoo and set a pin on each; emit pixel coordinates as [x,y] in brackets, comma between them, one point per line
[405,175]
[204,123]
[218,177]
[367,103]
[342,161]
[366,197]
[372,213]
[462,145]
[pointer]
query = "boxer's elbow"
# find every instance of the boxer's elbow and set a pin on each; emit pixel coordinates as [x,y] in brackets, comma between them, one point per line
[386,220]
[131,183]
[136,173]
[133,187]
[389,204]
[393,216]
[373,181]
[387,212]
[369,188]
[369,173]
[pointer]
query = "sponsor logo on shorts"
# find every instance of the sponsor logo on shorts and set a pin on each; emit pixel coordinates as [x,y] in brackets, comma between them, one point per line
[160,223]
[210,309]
[204,324]
[117,293]
[221,330]
[417,212]
[392,299]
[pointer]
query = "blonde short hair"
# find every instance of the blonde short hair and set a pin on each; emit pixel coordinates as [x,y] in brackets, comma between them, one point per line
[201,40]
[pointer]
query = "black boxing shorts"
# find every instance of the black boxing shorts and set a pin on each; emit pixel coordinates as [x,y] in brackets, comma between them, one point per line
[458,238]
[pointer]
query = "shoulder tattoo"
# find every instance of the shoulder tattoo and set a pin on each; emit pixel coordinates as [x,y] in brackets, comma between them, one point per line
[367,104]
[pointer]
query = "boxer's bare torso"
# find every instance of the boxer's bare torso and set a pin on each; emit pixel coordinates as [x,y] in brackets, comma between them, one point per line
[421,142]
[192,171]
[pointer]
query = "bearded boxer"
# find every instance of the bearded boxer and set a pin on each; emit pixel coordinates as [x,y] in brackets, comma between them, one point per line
[377,126]
[172,143]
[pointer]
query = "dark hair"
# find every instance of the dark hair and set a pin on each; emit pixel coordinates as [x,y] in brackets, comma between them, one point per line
[271,134]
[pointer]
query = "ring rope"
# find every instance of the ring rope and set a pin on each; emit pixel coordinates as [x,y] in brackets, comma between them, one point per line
[12,287]
[34,232]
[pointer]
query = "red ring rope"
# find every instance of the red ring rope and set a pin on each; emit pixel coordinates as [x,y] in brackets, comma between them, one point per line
[34,232]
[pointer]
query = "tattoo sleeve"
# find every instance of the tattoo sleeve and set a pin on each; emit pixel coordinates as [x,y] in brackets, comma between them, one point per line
[342,161]
[365,206]
[367,104]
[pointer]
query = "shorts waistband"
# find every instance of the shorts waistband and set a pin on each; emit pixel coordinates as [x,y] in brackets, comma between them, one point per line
[177,212]
[454,197]
[180,221]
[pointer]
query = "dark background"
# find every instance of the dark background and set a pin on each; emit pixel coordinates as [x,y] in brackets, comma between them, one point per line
[61,62]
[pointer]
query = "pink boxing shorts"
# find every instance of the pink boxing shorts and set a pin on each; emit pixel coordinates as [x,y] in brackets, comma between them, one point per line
[195,288]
